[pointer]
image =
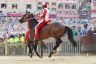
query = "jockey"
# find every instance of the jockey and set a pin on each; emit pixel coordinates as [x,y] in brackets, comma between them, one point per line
[26,36]
[44,19]
[27,32]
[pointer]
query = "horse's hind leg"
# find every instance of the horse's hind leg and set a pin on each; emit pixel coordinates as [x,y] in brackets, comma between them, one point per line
[29,52]
[41,50]
[58,42]
[42,45]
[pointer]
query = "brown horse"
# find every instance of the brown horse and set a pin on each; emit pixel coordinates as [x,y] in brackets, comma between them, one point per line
[88,42]
[90,37]
[55,30]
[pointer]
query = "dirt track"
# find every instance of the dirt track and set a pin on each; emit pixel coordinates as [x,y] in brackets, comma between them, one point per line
[46,60]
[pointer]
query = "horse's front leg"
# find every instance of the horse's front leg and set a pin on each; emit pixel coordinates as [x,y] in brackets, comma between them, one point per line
[35,48]
[30,46]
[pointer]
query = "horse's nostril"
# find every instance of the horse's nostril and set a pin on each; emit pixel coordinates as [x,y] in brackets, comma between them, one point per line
[19,20]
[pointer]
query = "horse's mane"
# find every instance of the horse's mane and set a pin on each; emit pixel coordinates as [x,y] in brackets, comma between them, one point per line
[32,16]
[33,21]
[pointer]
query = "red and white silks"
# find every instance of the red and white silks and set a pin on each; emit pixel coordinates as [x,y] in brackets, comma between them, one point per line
[44,18]
[26,36]
[38,26]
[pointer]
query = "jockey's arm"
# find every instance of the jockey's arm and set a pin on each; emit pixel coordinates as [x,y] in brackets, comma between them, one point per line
[44,14]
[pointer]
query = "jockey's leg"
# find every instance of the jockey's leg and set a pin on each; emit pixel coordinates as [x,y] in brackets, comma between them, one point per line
[26,37]
[38,26]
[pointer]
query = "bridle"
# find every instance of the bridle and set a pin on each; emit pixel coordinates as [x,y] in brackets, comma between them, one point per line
[27,19]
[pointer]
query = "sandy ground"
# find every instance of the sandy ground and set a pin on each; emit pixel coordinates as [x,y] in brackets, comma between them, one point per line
[46,60]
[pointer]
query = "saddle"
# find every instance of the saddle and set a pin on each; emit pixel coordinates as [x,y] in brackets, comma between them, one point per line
[48,21]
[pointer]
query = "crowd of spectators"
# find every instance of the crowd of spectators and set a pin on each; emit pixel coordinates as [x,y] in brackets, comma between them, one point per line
[10,26]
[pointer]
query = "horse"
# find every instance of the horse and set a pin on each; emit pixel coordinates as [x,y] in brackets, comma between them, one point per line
[55,30]
[88,42]
[90,37]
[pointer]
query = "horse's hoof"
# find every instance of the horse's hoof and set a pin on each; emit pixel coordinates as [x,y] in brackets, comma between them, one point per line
[30,56]
[49,56]
[41,57]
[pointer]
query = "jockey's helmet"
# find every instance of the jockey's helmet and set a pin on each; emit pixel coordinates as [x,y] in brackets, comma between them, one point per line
[45,4]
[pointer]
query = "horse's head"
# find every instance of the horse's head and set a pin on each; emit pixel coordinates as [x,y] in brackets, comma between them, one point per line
[29,17]
[26,17]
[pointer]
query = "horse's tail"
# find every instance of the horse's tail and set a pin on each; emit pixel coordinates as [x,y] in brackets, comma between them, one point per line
[70,35]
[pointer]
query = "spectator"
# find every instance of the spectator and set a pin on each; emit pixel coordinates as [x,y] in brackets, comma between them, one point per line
[16,39]
[84,31]
[11,39]
[21,38]
[75,32]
